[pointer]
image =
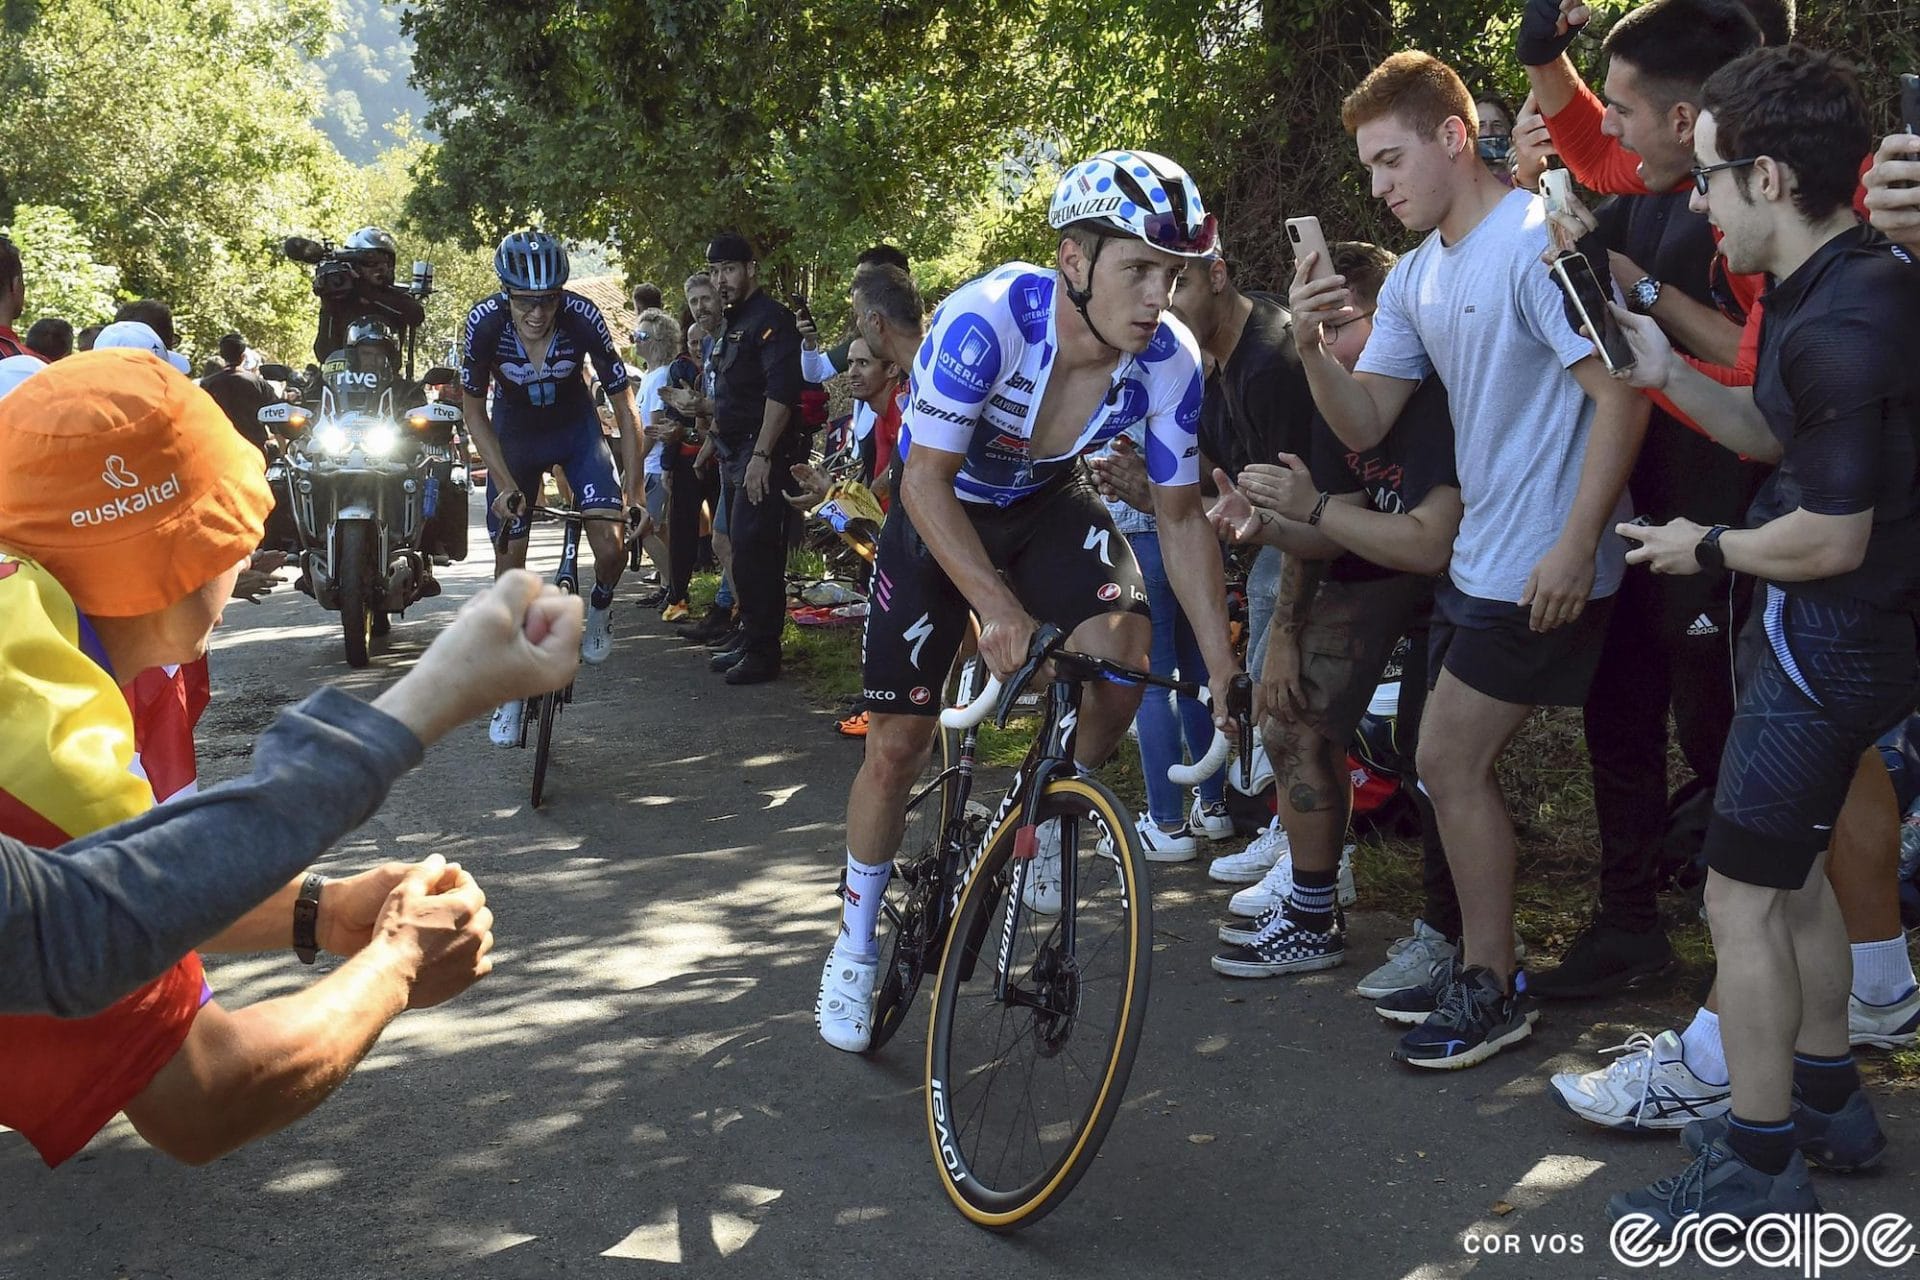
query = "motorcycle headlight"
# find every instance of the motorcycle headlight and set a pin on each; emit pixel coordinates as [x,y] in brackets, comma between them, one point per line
[380,439]
[332,438]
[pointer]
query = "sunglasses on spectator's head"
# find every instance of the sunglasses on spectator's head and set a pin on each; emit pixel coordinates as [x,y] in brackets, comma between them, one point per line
[1703,173]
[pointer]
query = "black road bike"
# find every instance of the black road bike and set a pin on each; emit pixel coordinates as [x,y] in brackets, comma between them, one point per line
[1042,978]
[543,709]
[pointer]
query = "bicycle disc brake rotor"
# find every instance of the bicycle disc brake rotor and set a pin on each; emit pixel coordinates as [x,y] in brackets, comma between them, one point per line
[1053,996]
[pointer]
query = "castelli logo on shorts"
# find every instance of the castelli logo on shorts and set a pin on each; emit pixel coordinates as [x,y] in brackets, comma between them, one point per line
[920,696]
[1109,591]
[134,497]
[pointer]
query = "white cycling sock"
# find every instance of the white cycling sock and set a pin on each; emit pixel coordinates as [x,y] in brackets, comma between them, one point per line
[1882,971]
[1700,1047]
[866,889]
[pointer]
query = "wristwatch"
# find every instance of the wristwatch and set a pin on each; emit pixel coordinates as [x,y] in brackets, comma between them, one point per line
[1707,553]
[1644,295]
[306,918]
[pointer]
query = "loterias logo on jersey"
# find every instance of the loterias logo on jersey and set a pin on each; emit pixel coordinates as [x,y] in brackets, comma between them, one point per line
[1032,304]
[968,360]
[1130,406]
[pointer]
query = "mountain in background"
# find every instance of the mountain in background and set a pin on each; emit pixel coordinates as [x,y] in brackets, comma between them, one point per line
[365,74]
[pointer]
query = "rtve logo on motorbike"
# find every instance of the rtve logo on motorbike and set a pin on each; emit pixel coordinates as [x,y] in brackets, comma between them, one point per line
[1810,1245]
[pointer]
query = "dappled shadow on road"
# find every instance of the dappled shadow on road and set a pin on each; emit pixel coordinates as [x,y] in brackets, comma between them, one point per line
[638,1089]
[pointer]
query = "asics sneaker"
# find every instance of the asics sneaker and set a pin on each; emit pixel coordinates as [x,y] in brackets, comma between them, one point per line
[675,612]
[1042,891]
[1409,961]
[1890,1026]
[598,641]
[1283,945]
[1278,883]
[1165,846]
[1252,862]
[1844,1141]
[1719,1182]
[1210,818]
[505,729]
[844,1009]
[1648,1088]
[1473,1018]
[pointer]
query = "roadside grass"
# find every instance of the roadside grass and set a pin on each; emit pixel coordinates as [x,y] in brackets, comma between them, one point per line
[1549,790]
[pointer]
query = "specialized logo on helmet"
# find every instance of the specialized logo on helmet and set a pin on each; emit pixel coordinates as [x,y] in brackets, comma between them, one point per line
[968,360]
[1096,207]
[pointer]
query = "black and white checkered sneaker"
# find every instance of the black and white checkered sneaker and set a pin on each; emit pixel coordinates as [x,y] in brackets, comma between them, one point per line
[1282,946]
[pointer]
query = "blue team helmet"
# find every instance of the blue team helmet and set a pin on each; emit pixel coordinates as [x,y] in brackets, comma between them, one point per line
[531,260]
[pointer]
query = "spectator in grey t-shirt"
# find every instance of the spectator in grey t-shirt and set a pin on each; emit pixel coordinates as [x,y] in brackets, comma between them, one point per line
[1544,442]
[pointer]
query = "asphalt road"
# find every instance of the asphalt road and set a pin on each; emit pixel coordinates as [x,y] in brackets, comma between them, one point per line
[637,1091]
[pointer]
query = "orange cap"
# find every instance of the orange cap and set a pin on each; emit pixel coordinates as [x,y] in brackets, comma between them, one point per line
[126,481]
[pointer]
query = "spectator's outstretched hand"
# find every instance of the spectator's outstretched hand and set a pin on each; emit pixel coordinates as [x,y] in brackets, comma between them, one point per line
[1546,28]
[1233,517]
[1532,144]
[813,483]
[517,638]
[436,926]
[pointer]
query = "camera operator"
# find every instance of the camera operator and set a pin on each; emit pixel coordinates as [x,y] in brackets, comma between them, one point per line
[356,282]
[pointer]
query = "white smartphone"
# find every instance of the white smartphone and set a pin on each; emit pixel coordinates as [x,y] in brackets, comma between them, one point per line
[1556,187]
[1305,237]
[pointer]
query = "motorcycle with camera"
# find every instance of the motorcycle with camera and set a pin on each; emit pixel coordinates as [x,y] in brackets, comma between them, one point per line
[366,481]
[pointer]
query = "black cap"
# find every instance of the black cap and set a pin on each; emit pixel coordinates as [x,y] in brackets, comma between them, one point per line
[731,246]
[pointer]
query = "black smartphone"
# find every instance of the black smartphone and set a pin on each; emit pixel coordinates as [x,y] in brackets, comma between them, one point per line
[800,309]
[1910,102]
[1588,301]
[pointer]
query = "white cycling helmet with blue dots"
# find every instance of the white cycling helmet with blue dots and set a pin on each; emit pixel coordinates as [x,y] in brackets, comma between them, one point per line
[1136,194]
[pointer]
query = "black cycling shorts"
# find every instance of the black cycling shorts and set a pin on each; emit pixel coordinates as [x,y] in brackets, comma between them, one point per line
[1490,647]
[1059,552]
[1819,682]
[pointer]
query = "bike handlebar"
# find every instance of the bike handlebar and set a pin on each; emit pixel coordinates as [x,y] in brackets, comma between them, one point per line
[1001,694]
[565,515]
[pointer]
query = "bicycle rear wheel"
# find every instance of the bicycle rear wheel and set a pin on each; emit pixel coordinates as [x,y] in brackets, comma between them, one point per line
[549,708]
[1021,1092]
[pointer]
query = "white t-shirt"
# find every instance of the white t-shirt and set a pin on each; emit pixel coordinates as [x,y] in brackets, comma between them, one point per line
[1487,317]
[651,404]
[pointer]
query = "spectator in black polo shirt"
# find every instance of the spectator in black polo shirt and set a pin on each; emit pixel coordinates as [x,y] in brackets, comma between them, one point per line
[240,394]
[1829,661]
[756,363]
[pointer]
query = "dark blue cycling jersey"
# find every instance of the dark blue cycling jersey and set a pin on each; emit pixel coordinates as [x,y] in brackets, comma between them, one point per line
[557,390]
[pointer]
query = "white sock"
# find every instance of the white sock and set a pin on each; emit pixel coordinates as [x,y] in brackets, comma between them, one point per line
[866,889]
[1700,1048]
[1882,971]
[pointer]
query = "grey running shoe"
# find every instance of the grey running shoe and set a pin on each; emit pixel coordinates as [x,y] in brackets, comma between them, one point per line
[1719,1182]
[1846,1141]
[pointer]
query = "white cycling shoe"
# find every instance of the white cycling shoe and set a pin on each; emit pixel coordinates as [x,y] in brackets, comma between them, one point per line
[505,729]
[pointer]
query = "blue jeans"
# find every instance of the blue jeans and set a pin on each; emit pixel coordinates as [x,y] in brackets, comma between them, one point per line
[1174,649]
[1263,589]
[722,517]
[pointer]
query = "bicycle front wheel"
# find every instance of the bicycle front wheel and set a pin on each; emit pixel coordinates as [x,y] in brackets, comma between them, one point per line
[1022,1087]
[549,707]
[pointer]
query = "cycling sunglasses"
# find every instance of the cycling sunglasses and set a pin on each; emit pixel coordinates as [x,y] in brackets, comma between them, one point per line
[1169,232]
[533,301]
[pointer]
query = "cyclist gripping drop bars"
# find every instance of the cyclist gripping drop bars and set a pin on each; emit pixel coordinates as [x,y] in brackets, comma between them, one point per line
[1025,370]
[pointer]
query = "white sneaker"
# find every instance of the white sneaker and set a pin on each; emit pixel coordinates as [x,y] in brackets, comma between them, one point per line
[1252,862]
[1409,961]
[1210,820]
[1165,846]
[1257,900]
[844,1009]
[1042,891]
[1890,1026]
[505,729]
[598,642]
[1650,1088]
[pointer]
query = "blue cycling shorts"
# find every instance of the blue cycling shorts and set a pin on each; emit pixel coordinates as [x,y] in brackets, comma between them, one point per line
[534,447]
